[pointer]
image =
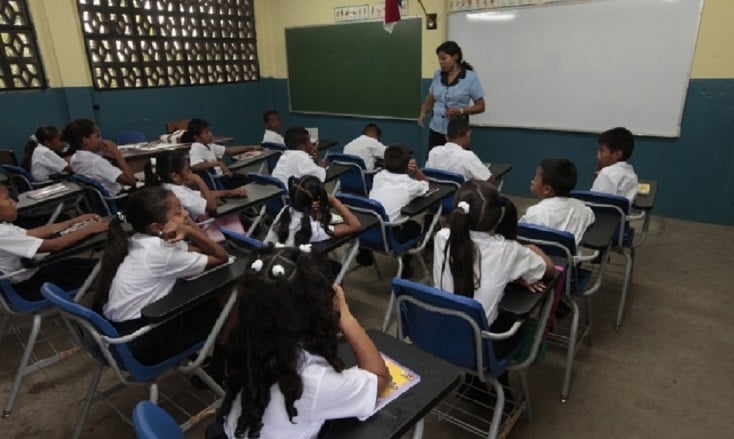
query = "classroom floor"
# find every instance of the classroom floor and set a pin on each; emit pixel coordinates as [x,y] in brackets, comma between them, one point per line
[669,371]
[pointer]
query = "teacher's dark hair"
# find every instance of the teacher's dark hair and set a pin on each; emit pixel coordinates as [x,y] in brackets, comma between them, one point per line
[451,48]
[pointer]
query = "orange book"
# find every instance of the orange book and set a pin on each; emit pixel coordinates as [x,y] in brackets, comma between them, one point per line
[402,380]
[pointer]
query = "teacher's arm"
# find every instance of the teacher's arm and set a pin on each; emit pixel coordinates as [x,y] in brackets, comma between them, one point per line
[427,105]
[477,108]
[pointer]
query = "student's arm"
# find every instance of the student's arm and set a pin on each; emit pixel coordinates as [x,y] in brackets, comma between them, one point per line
[68,240]
[415,171]
[216,254]
[351,223]
[233,150]
[128,176]
[549,267]
[201,166]
[427,104]
[368,357]
[51,229]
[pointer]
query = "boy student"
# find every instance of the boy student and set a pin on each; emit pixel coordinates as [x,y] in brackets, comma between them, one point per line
[300,157]
[205,154]
[554,180]
[613,174]
[367,146]
[18,243]
[455,156]
[272,128]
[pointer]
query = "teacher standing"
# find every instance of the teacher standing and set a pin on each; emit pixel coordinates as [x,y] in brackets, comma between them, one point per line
[454,87]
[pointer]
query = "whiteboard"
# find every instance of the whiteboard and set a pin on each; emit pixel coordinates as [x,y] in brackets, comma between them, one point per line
[585,66]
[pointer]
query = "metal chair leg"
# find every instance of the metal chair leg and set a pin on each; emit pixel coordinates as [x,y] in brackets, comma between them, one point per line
[391,303]
[4,323]
[35,329]
[526,394]
[571,353]
[498,407]
[625,288]
[418,430]
[88,401]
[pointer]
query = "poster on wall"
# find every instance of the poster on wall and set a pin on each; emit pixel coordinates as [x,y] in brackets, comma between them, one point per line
[470,5]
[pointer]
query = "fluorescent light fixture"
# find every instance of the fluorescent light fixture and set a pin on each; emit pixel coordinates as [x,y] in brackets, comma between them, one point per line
[491,16]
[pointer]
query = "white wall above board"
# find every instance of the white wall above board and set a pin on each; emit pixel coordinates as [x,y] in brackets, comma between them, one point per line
[585,66]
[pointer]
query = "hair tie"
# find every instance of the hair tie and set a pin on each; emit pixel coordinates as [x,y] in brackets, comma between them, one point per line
[279,245]
[278,270]
[33,138]
[305,248]
[152,164]
[121,216]
[464,206]
[257,265]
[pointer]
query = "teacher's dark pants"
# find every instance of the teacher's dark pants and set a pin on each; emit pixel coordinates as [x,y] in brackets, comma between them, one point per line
[435,139]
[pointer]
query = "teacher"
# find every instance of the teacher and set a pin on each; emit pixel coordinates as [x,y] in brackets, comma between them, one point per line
[454,85]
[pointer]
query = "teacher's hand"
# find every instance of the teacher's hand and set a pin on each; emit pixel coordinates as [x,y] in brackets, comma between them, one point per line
[420,119]
[453,112]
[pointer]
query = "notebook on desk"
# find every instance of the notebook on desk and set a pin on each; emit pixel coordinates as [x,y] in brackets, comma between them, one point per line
[48,191]
[402,380]
[643,189]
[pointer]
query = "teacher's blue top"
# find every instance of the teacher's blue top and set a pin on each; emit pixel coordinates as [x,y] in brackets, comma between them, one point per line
[465,88]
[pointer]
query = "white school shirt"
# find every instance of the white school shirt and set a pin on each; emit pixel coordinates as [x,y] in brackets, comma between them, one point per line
[96,167]
[200,153]
[148,273]
[395,191]
[617,179]
[297,163]
[561,213]
[45,162]
[500,261]
[453,157]
[15,244]
[317,230]
[366,147]
[190,199]
[271,136]
[327,394]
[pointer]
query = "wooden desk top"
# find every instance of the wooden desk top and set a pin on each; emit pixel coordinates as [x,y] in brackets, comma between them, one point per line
[256,194]
[251,159]
[25,202]
[499,170]
[137,153]
[425,202]
[646,202]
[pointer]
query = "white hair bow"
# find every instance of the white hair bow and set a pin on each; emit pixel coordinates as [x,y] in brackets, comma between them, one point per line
[463,205]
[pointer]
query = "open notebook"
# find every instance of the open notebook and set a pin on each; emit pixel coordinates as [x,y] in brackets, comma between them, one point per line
[402,380]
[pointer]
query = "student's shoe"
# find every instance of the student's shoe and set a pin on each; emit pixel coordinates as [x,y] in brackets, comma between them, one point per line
[365,257]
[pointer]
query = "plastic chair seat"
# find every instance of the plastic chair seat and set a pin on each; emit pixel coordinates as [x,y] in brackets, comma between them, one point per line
[152,422]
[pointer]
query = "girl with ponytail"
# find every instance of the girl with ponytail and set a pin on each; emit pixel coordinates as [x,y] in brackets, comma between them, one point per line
[42,157]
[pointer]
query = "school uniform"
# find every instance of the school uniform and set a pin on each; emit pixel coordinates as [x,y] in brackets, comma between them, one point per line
[561,213]
[45,162]
[68,274]
[271,136]
[200,153]
[297,163]
[395,191]
[327,394]
[368,148]
[499,261]
[190,199]
[459,93]
[617,179]
[453,157]
[318,233]
[94,166]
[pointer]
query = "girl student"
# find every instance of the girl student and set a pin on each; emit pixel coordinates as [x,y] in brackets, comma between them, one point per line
[283,377]
[173,172]
[42,157]
[308,217]
[141,269]
[477,255]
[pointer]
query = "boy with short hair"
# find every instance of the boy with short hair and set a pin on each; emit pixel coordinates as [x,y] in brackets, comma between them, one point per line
[300,157]
[554,180]
[455,155]
[613,174]
[367,146]
[272,128]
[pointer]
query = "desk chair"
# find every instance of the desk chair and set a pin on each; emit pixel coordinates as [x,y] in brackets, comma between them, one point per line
[7,157]
[13,304]
[382,239]
[358,180]
[152,422]
[272,207]
[272,161]
[99,200]
[22,180]
[562,245]
[455,328]
[624,240]
[131,136]
[105,345]
[212,180]
[243,241]
[445,177]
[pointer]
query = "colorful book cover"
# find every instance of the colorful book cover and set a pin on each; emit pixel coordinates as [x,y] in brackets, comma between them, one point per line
[402,380]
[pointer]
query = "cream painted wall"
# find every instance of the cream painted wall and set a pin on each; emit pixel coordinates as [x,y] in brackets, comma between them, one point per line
[714,56]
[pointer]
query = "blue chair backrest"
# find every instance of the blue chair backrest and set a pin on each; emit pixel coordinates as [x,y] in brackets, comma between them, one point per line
[211,179]
[16,303]
[446,177]
[243,240]
[22,180]
[376,238]
[602,203]
[355,181]
[564,239]
[152,422]
[447,336]
[97,196]
[275,205]
[128,137]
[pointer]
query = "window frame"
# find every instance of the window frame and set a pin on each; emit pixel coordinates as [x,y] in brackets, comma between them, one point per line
[6,67]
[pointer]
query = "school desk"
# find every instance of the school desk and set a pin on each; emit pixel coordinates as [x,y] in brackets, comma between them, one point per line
[438,378]
[26,204]
[326,144]
[253,158]
[137,155]
[256,194]
[334,171]
[436,193]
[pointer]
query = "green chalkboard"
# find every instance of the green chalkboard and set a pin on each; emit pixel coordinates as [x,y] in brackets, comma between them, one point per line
[355,69]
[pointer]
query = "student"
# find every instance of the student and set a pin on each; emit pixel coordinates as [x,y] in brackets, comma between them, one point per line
[472,241]
[613,174]
[84,138]
[554,180]
[308,217]
[205,155]
[272,128]
[142,269]
[18,243]
[42,154]
[284,379]
[172,171]
[367,146]
[455,156]
[300,157]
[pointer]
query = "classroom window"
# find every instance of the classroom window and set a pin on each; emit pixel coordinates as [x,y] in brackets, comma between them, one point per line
[20,63]
[169,43]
